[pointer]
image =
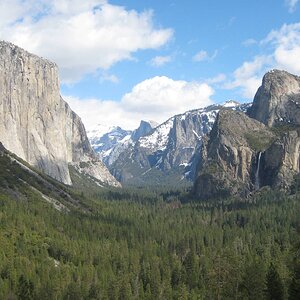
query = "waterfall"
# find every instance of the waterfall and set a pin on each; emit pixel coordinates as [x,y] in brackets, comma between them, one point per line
[257,183]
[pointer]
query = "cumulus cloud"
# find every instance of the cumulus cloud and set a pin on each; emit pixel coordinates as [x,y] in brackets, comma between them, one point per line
[291,5]
[248,76]
[80,36]
[202,55]
[157,98]
[286,42]
[284,52]
[159,61]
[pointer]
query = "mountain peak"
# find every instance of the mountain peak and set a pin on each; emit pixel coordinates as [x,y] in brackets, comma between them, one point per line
[15,51]
[276,101]
[144,128]
[230,104]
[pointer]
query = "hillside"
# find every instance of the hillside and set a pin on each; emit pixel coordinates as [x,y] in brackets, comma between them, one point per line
[140,247]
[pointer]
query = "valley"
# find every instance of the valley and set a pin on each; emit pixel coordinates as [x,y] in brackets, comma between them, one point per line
[128,171]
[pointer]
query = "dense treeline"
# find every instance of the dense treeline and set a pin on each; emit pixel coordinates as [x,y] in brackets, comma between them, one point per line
[159,250]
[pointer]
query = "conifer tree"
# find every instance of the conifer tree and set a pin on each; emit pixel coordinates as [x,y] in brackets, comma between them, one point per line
[275,288]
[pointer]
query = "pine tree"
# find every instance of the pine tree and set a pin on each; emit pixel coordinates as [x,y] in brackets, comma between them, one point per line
[294,290]
[253,283]
[275,288]
[25,288]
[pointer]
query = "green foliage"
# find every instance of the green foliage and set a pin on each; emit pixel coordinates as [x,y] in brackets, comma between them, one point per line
[294,288]
[25,289]
[259,141]
[143,244]
[275,288]
[282,128]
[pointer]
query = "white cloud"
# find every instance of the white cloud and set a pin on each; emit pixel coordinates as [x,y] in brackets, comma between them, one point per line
[286,42]
[283,46]
[80,36]
[202,55]
[159,61]
[109,77]
[217,79]
[291,5]
[249,42]
[248,76]
[157,98]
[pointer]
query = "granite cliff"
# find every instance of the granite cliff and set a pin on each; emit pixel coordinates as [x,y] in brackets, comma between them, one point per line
[246,152]
[37,124]
[229,158]
[277,100]
[167,155]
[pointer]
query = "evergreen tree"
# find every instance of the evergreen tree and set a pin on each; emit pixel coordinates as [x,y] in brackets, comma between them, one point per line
[275,288]
[25,288]
[253,283]
[294,289]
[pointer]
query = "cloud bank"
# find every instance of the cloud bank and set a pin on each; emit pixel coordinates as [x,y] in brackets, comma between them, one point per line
[284,52]
[80,36]
[157,98]
[291,5]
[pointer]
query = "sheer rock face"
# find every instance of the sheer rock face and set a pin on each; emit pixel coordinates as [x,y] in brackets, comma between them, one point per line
[167,152]
[145,128]
[228,162]
[281,161]
[36,123]
[278,99]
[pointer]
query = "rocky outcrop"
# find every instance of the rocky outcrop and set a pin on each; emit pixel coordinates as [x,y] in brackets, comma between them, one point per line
[229,157]
[145,128]
[243,154]
[36,123]
[169,153]
[277,101]
[280,162]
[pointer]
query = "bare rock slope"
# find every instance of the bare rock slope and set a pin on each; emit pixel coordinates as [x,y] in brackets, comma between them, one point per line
[229,158]
[244,153]
[36,123]
[277,100]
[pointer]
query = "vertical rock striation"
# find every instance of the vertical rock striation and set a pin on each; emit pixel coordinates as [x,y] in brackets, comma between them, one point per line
[229,157]
[36,123]
[269,140]
[278,99]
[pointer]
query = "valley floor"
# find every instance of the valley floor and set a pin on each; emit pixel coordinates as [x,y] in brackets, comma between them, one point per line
[145,248]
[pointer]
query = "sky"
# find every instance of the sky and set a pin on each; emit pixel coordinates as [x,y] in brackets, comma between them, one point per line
[125,61]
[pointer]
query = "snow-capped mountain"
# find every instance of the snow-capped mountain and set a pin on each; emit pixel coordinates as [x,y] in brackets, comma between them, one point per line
[103,139]
[160,154]
[170,152]
[109,142]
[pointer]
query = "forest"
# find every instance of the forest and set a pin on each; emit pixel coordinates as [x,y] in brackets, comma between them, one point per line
[140,244]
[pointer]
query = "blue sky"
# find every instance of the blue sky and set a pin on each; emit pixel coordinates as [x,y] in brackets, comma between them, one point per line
[122,61]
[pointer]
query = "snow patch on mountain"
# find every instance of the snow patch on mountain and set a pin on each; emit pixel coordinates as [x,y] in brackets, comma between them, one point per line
[159,137]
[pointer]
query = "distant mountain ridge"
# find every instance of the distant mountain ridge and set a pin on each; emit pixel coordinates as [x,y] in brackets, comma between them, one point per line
[166,154]
[109,142]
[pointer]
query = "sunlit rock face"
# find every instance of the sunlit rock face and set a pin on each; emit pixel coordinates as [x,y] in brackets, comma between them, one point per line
[277,100]
[262,148]
[36,123]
